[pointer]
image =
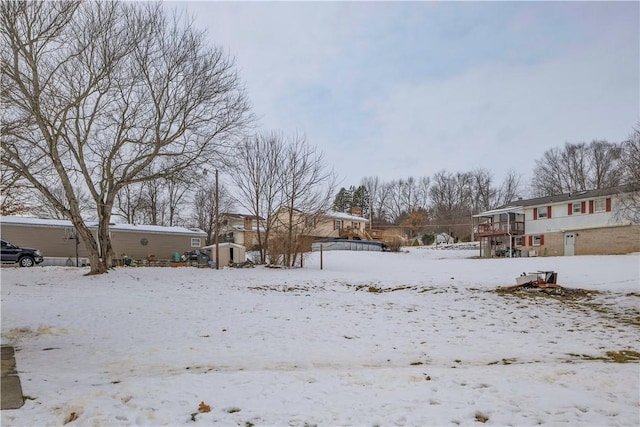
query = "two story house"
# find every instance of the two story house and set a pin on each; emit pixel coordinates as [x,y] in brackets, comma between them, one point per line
[241,229]
[581,223]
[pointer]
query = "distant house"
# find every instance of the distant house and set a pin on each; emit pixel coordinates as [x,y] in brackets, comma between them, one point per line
[240,228]
[340,225]
[55,238]
[328,225]
[581,223]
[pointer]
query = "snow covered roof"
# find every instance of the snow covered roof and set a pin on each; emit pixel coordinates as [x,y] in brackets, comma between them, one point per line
[157,229]
[242,216]
[343,215]
[35,221]
[224,245]
[92,224]
[508,209]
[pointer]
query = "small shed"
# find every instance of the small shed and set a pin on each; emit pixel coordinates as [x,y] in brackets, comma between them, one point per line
[229,252]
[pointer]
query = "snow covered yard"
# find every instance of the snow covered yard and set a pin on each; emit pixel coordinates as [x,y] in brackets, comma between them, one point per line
[416,338]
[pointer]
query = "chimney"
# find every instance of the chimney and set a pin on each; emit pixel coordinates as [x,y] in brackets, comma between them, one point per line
[356,211]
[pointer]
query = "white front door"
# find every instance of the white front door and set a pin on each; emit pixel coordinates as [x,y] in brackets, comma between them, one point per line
[569,244]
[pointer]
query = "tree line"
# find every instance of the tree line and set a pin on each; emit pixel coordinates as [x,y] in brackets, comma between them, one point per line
[449,198]
[445,195]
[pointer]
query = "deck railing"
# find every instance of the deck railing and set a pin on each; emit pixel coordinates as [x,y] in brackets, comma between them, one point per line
[501,228]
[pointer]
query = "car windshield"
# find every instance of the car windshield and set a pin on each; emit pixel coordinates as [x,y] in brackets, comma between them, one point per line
[6,244]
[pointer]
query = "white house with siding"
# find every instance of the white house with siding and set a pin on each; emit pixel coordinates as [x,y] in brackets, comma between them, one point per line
[580,223]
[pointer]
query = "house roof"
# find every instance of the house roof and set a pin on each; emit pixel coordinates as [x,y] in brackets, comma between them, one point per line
[508,209]
[519,205]
[334,214]
[23,220]
[224,245]
[242,228]
[346,216]
[242,216]
[572,196]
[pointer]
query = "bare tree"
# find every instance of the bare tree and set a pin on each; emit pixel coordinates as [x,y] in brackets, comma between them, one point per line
[43,207]
[154,204]
[14,193]
[257,176]
[204,207]
[157,202]
[452,201]
[129,203]
[484,194]
[406,196]
[377,198]
[549,176]
[100,95]
[605,164]
[630,199]
[451,194]
[381,204]
[307,186]
[396,200]
[177,188]
[577,167]
[422,192]
[510,189]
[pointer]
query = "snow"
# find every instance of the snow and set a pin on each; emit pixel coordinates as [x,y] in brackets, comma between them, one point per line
[345,216]
[295,347]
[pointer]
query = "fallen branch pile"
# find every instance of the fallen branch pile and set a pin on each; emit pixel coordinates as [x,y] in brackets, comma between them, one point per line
[546,289]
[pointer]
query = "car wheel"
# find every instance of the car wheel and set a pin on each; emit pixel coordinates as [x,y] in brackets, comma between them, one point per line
[26,262]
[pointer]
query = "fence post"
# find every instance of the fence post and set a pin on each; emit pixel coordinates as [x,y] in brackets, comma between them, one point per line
[321,256]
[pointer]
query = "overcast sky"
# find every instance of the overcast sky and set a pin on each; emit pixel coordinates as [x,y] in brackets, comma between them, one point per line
[397,89]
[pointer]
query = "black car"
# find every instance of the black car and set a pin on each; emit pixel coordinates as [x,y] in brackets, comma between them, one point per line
[25,257]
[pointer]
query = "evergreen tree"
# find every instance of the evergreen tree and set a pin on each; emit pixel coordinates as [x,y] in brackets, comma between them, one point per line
[342,202]
[361,200]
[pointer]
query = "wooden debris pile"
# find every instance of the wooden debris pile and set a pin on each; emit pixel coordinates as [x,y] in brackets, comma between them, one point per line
[546,290]
[543,283]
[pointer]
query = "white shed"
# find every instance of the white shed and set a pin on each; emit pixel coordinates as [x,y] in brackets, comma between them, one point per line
[229,252]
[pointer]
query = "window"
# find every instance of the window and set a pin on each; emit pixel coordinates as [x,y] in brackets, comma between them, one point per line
[338,224]
[355,224]
[537,240]
[542,212]
[599,205]
[195,242]
[577,208]
[518,241]
[311,222]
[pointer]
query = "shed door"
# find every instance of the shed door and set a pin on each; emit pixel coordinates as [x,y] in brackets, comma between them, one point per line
[569,241]
[231,254]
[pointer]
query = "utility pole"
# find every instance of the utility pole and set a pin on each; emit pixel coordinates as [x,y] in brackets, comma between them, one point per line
[217,224]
